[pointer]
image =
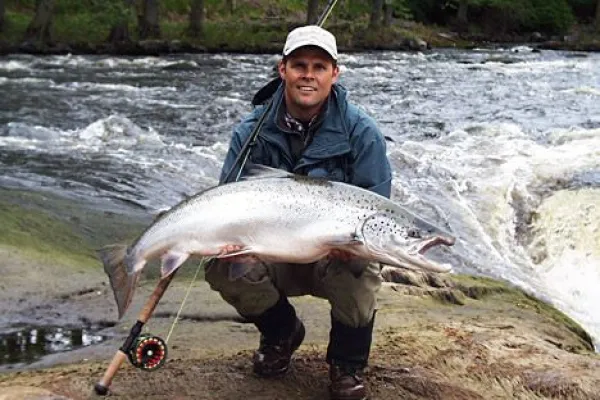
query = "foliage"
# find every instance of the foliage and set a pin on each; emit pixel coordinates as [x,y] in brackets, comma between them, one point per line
[243,37]
[552,16]
[583,9]
[401,9]
[428,11]
[91,20]
[82,27]
[21,4]
[15,25]
[549,16]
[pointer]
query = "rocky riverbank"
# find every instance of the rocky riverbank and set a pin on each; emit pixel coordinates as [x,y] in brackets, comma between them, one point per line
[165,47]
[437,337]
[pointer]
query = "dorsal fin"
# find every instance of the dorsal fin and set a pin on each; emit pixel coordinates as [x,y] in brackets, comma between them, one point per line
[258,171]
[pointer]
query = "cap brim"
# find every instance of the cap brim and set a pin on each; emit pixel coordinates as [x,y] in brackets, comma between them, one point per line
[309,42]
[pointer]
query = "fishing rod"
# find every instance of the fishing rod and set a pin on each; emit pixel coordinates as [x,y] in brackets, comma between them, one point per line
[264,94]
[148,352]
[143,351]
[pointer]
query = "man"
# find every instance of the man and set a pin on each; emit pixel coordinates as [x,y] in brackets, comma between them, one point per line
[311,130]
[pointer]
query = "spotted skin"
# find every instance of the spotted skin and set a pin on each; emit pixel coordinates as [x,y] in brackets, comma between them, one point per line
[277,217]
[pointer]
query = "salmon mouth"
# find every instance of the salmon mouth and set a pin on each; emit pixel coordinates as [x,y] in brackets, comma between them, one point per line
[413,257]
[432,242]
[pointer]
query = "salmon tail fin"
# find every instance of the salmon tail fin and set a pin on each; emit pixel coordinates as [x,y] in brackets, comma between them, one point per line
[123,284]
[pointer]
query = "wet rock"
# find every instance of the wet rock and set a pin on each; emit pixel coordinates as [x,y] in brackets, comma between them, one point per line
[537,37]
[554,385]
[417,44]
[415,278]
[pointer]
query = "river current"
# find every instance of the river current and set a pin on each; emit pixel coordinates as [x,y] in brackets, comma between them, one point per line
[485,143]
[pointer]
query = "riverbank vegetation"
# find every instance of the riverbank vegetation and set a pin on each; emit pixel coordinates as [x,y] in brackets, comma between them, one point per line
[147,26]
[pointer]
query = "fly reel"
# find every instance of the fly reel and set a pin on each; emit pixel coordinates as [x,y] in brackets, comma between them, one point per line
[148,353]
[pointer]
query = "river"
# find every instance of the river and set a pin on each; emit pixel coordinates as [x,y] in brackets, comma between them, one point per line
[501,147]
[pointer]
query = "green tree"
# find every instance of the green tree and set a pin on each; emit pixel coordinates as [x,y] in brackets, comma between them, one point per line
[231,6]
[598,15]
[388,12]
[120,13]
[462,15]
[551,16]
[1,15]
[40,27]
[376,13]
[197,18]
[149,26]
[312,12]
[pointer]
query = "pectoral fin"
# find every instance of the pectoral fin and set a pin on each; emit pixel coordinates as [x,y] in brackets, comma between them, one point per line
[241,252]
[171,261]
[350,239]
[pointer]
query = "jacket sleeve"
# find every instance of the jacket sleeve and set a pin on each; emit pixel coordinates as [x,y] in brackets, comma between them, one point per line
[241,133]
[370,166]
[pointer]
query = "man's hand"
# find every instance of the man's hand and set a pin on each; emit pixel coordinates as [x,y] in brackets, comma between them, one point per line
[341,255]
[240,259]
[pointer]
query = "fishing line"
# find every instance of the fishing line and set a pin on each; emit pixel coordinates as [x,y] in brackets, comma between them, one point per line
[189,289]
[325,15]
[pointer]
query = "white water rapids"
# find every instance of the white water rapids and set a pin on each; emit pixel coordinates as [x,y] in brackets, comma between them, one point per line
[501,147]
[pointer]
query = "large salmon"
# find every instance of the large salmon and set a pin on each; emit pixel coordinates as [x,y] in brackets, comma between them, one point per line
[274,216]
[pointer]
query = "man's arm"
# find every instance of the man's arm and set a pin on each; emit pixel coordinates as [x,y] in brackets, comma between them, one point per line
[371,167]
[235,146]
[241,133]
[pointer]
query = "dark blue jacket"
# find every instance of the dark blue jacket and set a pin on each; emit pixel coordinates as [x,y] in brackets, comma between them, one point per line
[347,146]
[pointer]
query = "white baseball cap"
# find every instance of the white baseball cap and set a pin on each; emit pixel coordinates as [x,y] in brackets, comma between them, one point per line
[310,35]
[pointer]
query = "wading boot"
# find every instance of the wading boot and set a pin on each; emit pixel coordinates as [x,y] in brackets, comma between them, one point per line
[281,335]
[347,382]
[348,355]
[273,358]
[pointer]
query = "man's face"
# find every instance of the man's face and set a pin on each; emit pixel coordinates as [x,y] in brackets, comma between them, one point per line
[308,74]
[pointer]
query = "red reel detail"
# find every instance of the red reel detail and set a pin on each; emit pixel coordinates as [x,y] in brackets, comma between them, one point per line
[148,353]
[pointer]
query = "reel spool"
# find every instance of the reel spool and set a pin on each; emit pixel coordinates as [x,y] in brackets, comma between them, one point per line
[148,353]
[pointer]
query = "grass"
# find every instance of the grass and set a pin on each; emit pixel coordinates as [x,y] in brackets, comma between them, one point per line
[46,226]
[41,236]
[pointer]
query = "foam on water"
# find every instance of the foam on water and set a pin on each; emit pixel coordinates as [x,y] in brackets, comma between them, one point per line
[30,81]
[12,65]
[492,178]
[75,86]
[118,131]
[118,159]
[483,141]
[17,132]
[584,90]
[566,249]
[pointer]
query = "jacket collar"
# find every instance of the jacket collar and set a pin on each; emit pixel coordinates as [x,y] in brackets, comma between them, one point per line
[332,137]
